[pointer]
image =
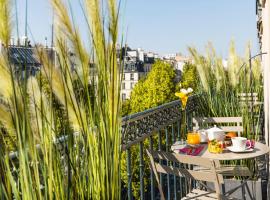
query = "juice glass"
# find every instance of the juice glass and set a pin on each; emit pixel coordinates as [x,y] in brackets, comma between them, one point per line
[193,138]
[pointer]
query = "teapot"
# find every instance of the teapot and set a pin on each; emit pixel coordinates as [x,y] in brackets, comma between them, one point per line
[215,133]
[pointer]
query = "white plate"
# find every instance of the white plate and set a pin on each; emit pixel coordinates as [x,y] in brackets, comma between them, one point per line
[193,145]
[239,151]
[178,143]
[176,147]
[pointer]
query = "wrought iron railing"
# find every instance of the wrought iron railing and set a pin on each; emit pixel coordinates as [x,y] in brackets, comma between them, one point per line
[159,128]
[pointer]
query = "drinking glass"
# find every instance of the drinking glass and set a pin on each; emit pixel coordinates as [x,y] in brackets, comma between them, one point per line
[193,138]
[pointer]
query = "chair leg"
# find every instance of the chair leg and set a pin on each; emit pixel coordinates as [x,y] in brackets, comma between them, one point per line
[233,190]
[153,168]
[243,185]
[223,189]
[243,190]
[249,192]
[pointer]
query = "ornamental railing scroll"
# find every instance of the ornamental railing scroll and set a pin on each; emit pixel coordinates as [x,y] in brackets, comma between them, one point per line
[139,126]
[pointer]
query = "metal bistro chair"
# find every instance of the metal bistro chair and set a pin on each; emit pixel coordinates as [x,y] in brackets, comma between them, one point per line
[210,175]
[228,124]
[249,99]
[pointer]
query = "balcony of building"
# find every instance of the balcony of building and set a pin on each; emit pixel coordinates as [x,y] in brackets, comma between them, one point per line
[158,129]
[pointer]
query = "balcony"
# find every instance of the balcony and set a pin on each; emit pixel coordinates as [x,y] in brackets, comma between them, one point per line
[158,128]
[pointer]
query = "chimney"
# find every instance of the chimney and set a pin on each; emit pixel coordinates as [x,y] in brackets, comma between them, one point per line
[24,40]
[12,43]
[46,42]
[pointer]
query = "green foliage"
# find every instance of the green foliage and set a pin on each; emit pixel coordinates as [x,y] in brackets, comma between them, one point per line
[135,170]
[125,107]
[61,122]
[222,86]
[158,88]
[60,101]
[190,77]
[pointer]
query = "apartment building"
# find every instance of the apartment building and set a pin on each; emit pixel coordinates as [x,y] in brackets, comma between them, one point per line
[133,72]
[137,64]
[263,26]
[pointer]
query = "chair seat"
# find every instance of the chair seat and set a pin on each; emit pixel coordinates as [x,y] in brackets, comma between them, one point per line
[231,170]
[200,195]
[234,171]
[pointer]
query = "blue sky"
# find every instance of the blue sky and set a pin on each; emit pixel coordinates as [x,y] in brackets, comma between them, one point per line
[166,26]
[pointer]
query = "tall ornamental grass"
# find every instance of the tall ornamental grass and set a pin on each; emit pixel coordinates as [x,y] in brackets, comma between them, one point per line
[81,159]
[223,83]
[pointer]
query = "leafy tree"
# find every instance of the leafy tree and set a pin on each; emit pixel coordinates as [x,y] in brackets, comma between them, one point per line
[190,77]
[158,88]
[125,107]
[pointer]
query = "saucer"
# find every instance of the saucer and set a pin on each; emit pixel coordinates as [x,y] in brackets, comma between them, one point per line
[178,145]
[232,149]
[193,145]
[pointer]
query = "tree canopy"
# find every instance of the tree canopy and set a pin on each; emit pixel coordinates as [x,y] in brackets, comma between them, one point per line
[156,89]
[190,76]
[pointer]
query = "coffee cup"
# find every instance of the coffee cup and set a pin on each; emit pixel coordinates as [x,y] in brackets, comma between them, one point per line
[240,143]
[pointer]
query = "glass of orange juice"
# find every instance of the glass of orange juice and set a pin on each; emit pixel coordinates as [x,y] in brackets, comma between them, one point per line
[193,138]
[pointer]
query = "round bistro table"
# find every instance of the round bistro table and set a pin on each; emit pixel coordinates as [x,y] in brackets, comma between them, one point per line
[260,149]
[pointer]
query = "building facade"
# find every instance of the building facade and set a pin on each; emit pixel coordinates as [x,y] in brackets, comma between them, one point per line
[263,26]
[24,59]
[137,64]
[133,72]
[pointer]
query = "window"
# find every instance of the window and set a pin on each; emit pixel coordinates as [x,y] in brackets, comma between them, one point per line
[133,67]
[123,96]
[131,76]
[123,86]
[124,77]
[131,85]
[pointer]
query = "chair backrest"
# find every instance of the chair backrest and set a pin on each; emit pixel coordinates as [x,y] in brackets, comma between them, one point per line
[228,124]
[249,99]
[209,175]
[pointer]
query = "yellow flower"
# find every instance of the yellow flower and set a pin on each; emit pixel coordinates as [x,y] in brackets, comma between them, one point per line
[183,95]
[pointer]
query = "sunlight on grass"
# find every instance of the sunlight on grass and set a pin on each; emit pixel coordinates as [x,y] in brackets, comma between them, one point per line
[86,165]
[222,86]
